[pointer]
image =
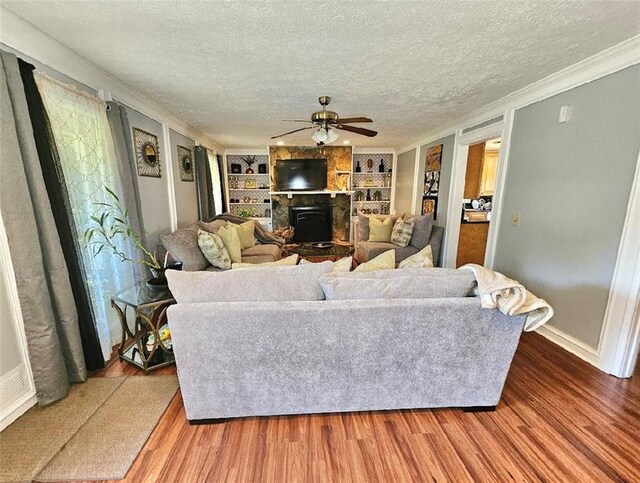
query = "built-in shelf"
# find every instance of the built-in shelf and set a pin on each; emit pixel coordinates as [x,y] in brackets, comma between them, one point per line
[249,203]
[372,201]
[355,188]
[246,174]
[291,194]
[248,189]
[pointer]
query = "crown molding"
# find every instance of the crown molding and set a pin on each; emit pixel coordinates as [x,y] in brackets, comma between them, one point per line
[609,61]
[31,42]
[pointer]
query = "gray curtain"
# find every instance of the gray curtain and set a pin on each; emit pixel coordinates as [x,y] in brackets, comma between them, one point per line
[46,299]
[204,187]
[121,134]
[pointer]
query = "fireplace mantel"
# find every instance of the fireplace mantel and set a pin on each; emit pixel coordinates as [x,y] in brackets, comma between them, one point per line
[291,194]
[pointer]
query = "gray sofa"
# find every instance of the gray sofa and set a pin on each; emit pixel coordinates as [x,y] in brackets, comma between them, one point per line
[425,233]
[182,245]
[304,355]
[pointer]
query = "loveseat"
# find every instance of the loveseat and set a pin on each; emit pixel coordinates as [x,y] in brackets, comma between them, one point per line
[263,341]
[424,233]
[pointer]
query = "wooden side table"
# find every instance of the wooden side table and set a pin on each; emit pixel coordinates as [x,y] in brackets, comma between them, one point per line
[142,345]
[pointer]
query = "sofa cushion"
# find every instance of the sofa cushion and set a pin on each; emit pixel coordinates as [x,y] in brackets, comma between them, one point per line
[363,224]
[368,250]
[409,283]
[246,232]
[424,259]
[402,231]
[283,262]
[229,236]
[183,247]
[213,250]
[384,261]
[297,283]
[212,226]
[422,228]
[380,230]
[266,252]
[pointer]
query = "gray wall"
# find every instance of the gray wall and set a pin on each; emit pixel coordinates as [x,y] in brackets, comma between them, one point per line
[404,182]
[154,192]
[571,183]
[186,194]
[445,176]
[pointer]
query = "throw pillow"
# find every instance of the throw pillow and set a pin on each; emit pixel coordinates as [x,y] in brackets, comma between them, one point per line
[415,283]
[422,228]
[246,233]
[343,265]
[424,258]
[261,284]
[213,249]
[283,262]
[183,247]
[380,231]
[229,236]
[402,231]
[384,261]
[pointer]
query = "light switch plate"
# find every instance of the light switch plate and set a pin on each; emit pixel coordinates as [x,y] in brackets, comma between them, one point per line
[515,218]
[565,114]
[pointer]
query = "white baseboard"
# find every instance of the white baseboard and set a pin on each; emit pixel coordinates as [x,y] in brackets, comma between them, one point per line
[570,344]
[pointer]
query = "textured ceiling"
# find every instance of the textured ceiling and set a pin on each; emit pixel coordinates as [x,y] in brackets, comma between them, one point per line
[236,69]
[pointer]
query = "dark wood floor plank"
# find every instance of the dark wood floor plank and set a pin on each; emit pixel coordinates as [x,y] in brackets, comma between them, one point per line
[559,419]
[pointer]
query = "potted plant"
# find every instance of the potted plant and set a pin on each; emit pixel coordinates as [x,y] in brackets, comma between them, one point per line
[112,222]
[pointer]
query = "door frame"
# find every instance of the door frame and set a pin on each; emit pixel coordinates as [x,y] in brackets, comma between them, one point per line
[501,128]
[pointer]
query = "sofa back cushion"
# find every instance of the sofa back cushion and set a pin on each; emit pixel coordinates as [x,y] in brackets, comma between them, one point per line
[297,283]
[422,228]
[407,283]
[183,247]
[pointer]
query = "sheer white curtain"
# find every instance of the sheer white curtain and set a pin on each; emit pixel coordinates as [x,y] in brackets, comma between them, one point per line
[216,182]
[87,157]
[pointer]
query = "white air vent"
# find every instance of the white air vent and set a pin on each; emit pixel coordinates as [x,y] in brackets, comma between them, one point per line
[12,387]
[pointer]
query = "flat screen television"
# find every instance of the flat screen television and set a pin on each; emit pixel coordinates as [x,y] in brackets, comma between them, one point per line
[301,174]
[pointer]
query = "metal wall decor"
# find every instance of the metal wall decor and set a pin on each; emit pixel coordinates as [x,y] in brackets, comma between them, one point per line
[147,153]
[185,161]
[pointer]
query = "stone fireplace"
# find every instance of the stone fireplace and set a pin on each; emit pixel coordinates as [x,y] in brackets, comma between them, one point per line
[311,223]
[338,208]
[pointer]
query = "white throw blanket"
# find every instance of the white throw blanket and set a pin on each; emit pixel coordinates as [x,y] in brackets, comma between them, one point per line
[510,297]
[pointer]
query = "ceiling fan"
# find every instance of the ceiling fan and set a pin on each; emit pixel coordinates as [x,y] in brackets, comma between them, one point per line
[326,122]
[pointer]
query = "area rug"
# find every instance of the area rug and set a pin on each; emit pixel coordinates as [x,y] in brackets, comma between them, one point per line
[96,432]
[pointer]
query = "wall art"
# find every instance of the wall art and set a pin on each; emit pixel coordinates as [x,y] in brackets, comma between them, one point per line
[185,161]
[147,153]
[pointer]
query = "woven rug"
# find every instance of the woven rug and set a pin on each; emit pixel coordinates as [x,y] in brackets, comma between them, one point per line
[96,432]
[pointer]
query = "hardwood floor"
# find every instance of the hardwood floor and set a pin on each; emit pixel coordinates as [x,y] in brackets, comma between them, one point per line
[559,419]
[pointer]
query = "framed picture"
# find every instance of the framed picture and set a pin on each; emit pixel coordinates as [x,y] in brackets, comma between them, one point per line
[250,184]
[147,153]
[236,168]
[433,158]
[262,168]
[185,162]
[430,205]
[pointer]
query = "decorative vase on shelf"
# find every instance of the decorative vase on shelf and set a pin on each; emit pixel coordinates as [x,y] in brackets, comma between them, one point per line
[249,171]
[381,166]
[368,198]
[358,168]
[369,164]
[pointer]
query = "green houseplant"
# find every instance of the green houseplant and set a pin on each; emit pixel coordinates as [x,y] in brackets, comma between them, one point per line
[111,223]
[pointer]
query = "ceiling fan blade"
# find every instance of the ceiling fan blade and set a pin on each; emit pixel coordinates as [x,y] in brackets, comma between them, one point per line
[352,120]
[357,130]
[296,120]
[291,132]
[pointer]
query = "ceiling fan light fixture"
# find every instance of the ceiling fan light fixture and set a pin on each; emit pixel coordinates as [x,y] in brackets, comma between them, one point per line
[325,135]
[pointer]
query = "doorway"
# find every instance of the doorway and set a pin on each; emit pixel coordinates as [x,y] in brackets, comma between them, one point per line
[477,203]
